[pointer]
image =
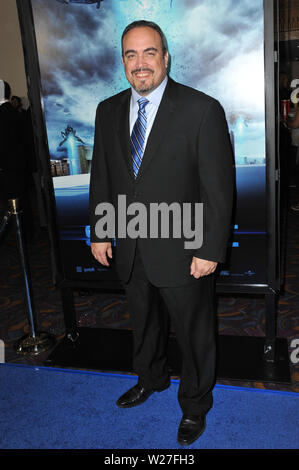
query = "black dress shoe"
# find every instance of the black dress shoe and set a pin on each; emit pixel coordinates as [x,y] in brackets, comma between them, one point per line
[133,397]
[191,428]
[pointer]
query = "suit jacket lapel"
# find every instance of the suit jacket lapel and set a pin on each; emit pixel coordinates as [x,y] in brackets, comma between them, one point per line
[123,129]
[162,121]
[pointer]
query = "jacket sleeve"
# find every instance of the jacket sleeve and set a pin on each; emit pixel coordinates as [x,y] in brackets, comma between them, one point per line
[216,179]
[99,190]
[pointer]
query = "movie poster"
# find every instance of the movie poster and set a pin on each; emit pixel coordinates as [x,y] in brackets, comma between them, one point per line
[216,47]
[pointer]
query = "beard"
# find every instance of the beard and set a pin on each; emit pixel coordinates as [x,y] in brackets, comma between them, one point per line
[143,87]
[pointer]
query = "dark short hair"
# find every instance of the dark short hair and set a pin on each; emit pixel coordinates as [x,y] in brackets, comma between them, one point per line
[7,90]
[148,24]
[16,98]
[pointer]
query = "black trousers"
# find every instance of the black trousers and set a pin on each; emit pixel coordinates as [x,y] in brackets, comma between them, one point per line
[191,308]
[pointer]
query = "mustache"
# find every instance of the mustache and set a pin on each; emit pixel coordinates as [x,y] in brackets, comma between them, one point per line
[142,70]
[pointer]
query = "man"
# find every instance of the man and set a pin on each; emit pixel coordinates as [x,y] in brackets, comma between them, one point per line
[12,163]
[14,177]
[179,151]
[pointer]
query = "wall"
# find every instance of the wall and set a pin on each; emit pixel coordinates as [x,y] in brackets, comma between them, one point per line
[12,68]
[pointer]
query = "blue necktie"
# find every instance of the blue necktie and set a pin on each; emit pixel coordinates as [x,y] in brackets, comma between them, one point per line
[138,136]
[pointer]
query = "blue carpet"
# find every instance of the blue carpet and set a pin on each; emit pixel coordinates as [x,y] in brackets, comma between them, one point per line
[45,408]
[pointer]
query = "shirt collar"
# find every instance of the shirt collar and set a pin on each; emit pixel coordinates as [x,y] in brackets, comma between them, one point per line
[154,97]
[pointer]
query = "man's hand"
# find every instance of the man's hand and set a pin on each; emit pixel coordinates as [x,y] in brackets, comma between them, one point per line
[201,267]
[100,252]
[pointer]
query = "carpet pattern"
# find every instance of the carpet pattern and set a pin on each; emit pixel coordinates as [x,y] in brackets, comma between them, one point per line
[237,315]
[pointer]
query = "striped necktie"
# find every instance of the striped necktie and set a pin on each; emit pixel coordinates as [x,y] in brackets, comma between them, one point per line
[138,136]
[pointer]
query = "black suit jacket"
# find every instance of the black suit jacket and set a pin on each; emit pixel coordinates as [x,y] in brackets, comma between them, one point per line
[12,139]
[188,158]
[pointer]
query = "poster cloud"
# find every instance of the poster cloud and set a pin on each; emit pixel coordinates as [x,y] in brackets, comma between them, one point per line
[80,55]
